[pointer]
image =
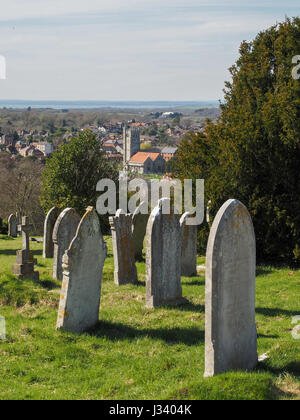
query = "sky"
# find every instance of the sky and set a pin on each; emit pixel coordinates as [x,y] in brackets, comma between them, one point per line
[151,50]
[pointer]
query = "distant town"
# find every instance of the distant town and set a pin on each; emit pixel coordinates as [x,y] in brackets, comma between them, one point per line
[141,142]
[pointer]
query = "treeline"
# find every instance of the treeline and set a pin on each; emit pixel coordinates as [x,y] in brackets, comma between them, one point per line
[20,183]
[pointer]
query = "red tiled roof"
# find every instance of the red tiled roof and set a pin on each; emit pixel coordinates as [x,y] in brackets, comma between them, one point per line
[141,157]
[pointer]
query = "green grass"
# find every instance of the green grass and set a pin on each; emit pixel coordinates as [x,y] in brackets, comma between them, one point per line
[134,352]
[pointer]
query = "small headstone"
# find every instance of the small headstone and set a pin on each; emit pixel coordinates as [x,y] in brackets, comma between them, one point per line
[230,330]
[12,226]
[19,223]
[124,263]
[48,248]
[208,218]
[63,233]
[188,247]
[163,258]
[2,328]
[82,277]
[24,267]
[139,226]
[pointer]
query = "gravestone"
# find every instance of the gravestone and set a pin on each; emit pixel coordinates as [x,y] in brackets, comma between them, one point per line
[139,226]
[24,267]
[64,231]
[188,247]
[48,247]
[124,264]
[82,276]
[230,330]
[163,258]
[12,226]
[208,218]
[19,223]
[2,328]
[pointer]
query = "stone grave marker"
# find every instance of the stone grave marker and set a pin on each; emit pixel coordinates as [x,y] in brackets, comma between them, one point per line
[24,267]
[19,223]
[163,258]
[230,330]
[64,231]
[82,276]
[188,247]
[12,226]
[139,226]
[48,247]
[124,263]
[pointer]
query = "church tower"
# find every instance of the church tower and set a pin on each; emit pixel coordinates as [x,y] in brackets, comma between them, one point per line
[131,143]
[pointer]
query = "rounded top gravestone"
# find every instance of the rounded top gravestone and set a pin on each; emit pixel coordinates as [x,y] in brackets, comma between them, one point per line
[82,278]
[231,337]
[50,220]
[12,226]
[139,226]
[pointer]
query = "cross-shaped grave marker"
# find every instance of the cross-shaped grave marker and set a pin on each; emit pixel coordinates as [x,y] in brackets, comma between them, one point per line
[24,268]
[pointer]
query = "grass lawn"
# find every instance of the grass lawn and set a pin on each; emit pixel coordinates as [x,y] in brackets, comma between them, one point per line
[134,352]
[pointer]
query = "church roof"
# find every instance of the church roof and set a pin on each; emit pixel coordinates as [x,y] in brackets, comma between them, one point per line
[141,157]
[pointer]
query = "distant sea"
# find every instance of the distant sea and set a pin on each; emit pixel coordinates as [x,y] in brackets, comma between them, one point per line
[23,104]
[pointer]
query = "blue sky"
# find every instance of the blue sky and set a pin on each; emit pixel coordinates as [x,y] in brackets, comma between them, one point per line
[127,49]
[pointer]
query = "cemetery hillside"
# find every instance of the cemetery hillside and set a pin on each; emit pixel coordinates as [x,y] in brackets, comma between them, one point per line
[151,253]
[135,352]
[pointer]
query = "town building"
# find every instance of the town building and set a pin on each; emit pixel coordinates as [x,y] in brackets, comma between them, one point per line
[169,153]
[45,147]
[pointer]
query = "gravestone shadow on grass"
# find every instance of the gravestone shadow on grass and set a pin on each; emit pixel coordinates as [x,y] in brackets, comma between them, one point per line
[195,282]
[292,368]
[8,252]
[116,331]
[48,284]
[263,271]
[275,312]
[6,238]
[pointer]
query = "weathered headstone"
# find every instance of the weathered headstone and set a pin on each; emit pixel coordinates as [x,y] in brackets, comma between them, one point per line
[208,218]
[163,258]
[139,226]
[63,233]
[188,247]
[2,328]
[82,276]
[12,226]
[48,247]
[230,330]
[24,267]
[124,263]
[19,223]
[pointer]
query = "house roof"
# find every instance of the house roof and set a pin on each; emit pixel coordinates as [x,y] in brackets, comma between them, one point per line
[169,150]
[141,157]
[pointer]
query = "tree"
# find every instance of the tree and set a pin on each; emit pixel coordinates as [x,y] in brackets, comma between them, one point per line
[20,189]
[176,121]
[72,173]
[254,148]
